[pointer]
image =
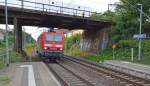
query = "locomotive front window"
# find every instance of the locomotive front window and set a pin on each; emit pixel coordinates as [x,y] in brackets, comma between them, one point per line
[50,37]
[58,38]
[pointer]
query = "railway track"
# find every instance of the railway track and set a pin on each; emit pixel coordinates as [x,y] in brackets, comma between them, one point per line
[71,71]
[66,76]
[121,79]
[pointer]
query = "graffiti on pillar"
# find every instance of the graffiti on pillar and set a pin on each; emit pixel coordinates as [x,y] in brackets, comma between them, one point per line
[94,41]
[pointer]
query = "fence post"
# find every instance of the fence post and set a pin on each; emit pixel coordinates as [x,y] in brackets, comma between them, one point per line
[43,7]
[60,10]
[76,12]
[10,59]
[132,54]
[83,14]
[3,59]
[113,53]
[22,3]
[89,14]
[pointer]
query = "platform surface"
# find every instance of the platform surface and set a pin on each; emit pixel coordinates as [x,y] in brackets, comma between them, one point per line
[29,74]
[129,67]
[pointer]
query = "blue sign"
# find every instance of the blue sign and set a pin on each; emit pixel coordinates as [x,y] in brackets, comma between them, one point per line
[142,36]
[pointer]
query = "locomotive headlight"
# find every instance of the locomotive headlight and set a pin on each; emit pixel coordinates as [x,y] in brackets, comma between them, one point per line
[45,48]
[61,48]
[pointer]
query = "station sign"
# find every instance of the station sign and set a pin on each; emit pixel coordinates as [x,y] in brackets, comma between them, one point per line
[142,36]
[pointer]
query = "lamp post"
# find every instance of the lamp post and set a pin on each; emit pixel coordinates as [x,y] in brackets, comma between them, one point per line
[6,28]
[140,31]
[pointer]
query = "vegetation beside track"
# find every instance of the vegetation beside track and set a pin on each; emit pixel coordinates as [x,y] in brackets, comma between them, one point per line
[72,48]
[1,65]
[4,80]
[14,56]
[121,52]
[28,48]
[124,25]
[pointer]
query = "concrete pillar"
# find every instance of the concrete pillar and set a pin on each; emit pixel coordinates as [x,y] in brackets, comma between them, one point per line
[17,35]
[94,41]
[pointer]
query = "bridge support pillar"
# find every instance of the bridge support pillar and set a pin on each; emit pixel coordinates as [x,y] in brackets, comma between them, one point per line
[94,41]
[17,35]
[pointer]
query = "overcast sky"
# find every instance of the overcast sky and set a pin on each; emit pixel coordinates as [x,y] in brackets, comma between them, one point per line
[96,5]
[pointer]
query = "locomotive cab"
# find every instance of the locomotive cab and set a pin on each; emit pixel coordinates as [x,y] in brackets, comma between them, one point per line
[51,44]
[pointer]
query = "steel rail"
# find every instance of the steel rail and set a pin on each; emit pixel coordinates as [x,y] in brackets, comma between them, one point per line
[61,81]
[87,82]
[110,72]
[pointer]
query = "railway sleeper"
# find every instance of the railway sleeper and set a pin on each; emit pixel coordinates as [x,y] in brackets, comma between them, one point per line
[147,85]
[129,85]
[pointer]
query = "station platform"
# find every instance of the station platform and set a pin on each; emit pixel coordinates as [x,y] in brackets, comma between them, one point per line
[29,74]
[128,67]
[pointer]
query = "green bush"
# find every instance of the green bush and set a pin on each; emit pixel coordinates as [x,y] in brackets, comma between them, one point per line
[15,56]
[123,51]
[74,50]
[106,54]
[10,41]
[71,41]
[146,48]
[128,43]
[28,48]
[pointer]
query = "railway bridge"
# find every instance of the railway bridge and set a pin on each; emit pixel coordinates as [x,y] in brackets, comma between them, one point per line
[27,13]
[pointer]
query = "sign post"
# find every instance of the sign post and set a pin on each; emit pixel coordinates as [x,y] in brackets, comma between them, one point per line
[113,46]
[139,37]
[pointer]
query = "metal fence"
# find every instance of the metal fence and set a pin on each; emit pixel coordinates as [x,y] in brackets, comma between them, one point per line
[3,57]
[51,8]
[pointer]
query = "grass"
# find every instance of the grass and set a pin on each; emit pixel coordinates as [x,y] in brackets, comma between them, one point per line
[2,65]
[15,56]
[75,51]
[5,79]
[107,54]
[124,55]
[94,58]
[144,60]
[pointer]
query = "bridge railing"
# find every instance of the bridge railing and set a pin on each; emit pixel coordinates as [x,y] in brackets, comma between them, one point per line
[51,8]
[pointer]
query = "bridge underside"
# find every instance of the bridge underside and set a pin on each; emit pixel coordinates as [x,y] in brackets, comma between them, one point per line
[25,17]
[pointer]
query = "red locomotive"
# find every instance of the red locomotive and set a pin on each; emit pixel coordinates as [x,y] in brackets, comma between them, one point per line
[50,45]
